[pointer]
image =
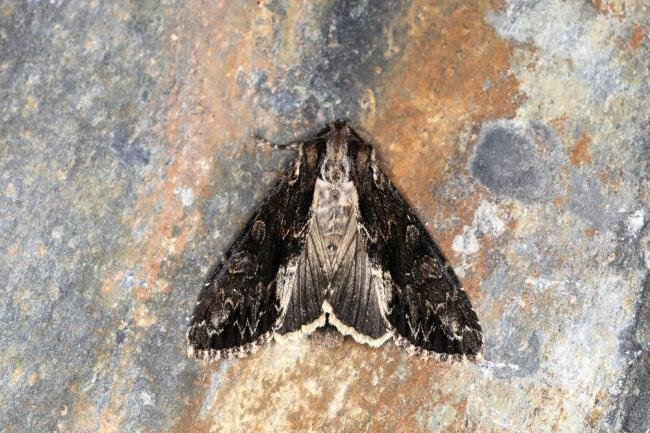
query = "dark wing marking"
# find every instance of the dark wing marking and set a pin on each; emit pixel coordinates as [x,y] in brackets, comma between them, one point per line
[428,308]
[239,307]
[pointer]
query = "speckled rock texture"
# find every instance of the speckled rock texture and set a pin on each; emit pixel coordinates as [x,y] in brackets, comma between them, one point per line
[519,131]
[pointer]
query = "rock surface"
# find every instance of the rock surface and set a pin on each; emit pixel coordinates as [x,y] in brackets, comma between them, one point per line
[518,130]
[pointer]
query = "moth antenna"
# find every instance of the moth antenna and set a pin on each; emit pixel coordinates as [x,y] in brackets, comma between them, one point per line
[292,145]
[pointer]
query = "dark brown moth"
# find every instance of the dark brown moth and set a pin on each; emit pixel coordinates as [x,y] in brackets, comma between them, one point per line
[334,244]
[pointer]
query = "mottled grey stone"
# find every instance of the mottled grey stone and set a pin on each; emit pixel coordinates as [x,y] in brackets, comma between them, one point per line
[588,202]
[515,356]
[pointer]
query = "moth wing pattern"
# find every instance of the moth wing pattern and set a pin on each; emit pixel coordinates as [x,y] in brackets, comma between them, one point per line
[240,306]
[428,309]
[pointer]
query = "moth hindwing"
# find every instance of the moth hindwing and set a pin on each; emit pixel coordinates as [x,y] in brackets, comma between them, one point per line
[334,244]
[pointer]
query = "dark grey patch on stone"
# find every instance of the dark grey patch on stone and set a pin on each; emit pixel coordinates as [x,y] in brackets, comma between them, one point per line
[130,151]
[635,413]
[632,413]
[507,162]
[119,336]
[628,347]
[530,164]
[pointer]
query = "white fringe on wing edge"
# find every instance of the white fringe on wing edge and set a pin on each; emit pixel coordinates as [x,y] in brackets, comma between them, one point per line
[233,352]
[446,358]
[213,355]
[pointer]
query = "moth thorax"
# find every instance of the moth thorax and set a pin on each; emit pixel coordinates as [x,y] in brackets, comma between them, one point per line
[334,212]
[336,165]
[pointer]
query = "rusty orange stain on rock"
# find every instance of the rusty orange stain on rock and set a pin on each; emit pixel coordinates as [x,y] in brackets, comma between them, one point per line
[580,154]
[421,119]
[612,180]
[167,230]
[561,200]
[596,412]
[638,33]
[598,5]
[559,124]
[607,7]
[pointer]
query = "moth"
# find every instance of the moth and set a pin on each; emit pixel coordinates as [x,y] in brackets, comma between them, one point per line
[334,244]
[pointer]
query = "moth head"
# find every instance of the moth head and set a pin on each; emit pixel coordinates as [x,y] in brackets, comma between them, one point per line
[336,164]
[338,127]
